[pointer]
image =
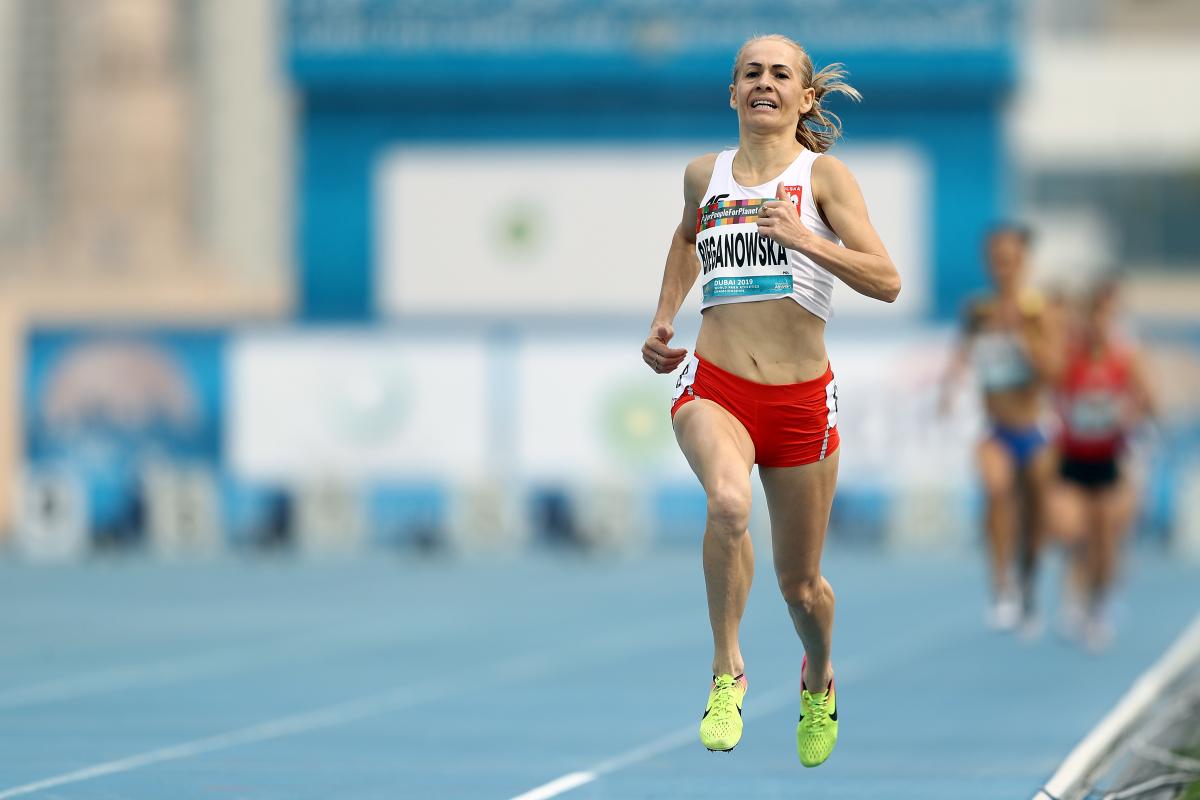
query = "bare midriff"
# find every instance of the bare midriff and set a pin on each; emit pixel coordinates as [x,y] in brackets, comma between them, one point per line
[768,341]
[1014,408]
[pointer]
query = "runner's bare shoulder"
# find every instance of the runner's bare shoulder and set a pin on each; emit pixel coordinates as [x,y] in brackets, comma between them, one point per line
[697,176]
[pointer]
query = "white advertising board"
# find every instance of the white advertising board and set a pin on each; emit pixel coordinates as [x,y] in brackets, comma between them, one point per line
[894,182]
[516,230]
[340,405]
[893,432]
[593,410]
[510,231]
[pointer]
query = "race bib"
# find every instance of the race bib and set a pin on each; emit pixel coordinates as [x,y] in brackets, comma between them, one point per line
[735,259]
[1094,415]
[999,362]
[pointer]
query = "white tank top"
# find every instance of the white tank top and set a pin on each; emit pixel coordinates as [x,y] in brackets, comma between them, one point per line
[999,362]
[737,264]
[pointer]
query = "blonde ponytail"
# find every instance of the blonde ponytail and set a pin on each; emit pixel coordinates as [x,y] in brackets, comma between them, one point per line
[818,128]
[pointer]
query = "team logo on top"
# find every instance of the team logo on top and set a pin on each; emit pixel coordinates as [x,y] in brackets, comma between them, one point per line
[794,192]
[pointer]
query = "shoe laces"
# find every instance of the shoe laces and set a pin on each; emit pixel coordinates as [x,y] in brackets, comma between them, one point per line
[723,703]
[816,708]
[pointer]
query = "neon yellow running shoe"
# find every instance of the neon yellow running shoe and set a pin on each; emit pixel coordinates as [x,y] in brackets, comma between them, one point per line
[817,732]
[721,726]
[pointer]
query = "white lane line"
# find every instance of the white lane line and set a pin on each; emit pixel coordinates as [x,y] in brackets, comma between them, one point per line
[327,717]
[559,785]
[1082,761]
[517,668]
[769,702]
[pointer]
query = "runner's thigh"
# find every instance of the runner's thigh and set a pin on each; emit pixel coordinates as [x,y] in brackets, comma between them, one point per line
[715,444]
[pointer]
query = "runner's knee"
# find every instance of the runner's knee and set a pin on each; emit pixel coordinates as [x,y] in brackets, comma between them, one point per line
[804,595]
[729,508]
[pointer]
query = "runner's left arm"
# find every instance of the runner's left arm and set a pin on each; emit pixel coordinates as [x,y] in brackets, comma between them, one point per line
[861,261]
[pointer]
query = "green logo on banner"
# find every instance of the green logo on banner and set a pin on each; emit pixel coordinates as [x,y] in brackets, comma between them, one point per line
[635,422]
[518,229]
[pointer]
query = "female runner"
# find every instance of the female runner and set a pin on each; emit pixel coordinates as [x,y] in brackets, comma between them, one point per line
[768,227]
[1102,394]
[1010,337]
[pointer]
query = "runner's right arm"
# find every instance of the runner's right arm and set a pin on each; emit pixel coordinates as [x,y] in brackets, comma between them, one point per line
[680,272]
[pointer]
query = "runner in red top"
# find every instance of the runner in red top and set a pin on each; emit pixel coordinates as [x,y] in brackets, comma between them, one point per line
[1102,395]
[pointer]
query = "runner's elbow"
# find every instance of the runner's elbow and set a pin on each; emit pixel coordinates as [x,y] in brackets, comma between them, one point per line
[890,289]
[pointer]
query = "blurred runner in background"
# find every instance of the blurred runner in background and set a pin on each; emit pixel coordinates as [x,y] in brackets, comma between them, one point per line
[1011,339]
[1102,395]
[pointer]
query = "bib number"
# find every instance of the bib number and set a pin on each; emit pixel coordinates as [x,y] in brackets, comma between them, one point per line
[1095,415]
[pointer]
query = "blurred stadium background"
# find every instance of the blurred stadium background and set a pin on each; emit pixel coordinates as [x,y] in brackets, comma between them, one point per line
[337,277]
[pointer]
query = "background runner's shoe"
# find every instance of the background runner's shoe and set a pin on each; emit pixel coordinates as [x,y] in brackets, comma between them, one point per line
[817,732]
[1004,614]
[721,726]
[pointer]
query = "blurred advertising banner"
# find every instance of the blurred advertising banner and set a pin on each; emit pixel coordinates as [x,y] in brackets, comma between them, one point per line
[101,406]
[556,230]
[582,230]
[895,182]
[591,410]
[892,432]
[356,406]
[906,475]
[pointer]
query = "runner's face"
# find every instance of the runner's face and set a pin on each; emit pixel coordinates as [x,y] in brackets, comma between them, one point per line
[767,91]
[1006,258]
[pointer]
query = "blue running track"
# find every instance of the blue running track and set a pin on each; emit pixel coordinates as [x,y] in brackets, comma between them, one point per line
[280,679]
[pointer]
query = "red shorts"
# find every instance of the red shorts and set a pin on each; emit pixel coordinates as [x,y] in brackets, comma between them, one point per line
[790,424]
